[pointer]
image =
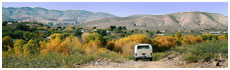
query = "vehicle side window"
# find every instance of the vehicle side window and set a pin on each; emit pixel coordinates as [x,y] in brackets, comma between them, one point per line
[143,47]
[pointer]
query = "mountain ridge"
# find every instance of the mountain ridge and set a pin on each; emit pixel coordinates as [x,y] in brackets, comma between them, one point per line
[190,20]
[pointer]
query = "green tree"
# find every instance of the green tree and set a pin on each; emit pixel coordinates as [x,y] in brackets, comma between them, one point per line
[18,34]
[22,26]
[111,28]
[27,35]
[101,32]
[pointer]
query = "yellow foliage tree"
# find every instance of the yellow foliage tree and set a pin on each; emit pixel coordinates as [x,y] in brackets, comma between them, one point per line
[85,37]
[190,39]
[7,42]
[166,41]
[222,37]
[110,45]
[178,36]
[55,41]
[70,28]
[70,44]
[56,36]
[31,48]
[18,46]
[92,46]
[67,46]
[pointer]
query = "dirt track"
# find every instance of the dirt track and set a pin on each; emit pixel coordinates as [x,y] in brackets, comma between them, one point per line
[167,62]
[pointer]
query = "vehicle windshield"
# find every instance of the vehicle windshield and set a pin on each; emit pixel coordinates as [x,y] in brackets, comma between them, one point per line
[143,47]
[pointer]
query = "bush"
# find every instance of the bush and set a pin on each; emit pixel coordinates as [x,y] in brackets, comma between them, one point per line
[205,51]
[32,47]
[6,42]
[67,46]
[166,41]
[190,39]
[18,46]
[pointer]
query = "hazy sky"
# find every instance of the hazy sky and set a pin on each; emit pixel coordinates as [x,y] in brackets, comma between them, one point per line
[129,8]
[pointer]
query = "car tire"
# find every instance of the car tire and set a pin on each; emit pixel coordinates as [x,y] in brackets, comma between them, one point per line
[150,59]
[136,59]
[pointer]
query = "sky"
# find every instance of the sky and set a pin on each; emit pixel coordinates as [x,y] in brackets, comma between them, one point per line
[124,9]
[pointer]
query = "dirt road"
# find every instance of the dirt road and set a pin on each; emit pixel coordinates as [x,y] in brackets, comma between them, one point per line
[167,62]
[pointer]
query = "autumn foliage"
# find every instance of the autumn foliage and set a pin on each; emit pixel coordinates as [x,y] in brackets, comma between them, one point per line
[191,39]
[166,41]
[56,44]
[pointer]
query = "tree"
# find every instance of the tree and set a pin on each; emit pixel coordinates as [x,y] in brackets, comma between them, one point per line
[18,34]
[6,42]
[112,28]
[166,41]
[124,28]
[52,45]
[18,46]
[190,39]
[70,44]
[4,23]
[222,37]
[56,36]
[94,27]
[178,36]
[27,35]
[32,47]
[85,37]
[77,32]
[22,26]
[101,32]
[158,32]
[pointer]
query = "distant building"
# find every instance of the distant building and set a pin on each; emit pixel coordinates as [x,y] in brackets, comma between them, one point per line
[215,33]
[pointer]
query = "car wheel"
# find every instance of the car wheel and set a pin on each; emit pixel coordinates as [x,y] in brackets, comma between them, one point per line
[150,59]
[136,59]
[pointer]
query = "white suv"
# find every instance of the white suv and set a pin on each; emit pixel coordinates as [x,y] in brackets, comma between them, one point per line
[143,51]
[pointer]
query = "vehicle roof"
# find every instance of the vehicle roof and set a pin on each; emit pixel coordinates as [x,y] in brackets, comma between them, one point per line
[143,44]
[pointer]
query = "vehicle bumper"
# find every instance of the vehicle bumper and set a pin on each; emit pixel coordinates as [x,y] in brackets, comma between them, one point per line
[143,57]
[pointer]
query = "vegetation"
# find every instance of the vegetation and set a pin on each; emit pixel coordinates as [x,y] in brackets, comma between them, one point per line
[28,44]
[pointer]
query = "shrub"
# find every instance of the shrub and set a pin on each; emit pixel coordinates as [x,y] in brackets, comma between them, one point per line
[32,47]
[6,41]
[205,51]
[222,37]
[92,46]
[67,46]
[85,37]
[166,41]
[18,46]
[209,37]
[190,39]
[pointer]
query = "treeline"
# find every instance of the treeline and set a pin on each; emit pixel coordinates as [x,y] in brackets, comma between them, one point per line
[94,42]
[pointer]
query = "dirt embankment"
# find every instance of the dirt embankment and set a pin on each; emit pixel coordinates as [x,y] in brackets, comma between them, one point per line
[172,61]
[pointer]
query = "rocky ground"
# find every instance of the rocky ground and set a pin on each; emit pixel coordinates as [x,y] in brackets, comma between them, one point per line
[172,61]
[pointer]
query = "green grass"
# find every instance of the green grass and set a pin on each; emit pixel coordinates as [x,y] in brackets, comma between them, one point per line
[56,60]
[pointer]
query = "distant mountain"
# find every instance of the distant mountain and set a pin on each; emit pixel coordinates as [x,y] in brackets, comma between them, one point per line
[174,21]
[41,14]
